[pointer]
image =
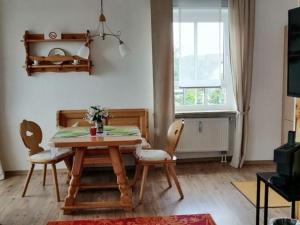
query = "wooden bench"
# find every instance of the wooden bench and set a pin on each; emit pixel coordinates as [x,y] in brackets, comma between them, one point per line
[119,117]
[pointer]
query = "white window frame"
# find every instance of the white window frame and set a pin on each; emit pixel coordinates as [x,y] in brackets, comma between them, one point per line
[226,83]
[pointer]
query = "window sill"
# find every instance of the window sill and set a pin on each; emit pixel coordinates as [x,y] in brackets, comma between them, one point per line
[206,113]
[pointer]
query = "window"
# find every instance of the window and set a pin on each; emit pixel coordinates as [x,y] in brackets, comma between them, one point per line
[202,78]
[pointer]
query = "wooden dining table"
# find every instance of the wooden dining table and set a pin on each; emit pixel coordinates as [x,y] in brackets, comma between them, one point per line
[79,144]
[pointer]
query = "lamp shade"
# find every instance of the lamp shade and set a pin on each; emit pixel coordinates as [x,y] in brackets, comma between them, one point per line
[123,49]
[84,52]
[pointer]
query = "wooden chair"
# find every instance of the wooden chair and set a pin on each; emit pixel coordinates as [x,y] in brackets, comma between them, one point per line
[166,158]
[32,136]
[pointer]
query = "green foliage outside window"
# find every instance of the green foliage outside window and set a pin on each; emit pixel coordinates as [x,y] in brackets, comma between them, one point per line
[195,96]
[216,96]
[190,96]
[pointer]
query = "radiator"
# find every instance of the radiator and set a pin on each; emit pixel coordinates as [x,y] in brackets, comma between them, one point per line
[204,135]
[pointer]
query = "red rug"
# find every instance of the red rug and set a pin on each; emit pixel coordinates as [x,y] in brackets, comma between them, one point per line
[197,219]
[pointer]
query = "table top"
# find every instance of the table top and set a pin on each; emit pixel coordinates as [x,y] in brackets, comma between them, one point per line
[86,140]
[289,193]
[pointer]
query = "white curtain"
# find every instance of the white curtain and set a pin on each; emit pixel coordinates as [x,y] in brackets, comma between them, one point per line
[241,33]
[198,35]
[1,172]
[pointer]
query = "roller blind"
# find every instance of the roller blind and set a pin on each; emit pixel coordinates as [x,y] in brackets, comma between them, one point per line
[200,33]
[200,3]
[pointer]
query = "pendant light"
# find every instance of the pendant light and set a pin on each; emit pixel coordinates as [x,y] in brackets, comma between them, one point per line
[103,31]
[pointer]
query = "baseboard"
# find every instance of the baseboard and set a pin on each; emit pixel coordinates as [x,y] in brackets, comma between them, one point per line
[217,159]
[40,171]
[131,167]
[24,172]
[206,159]
[259,162]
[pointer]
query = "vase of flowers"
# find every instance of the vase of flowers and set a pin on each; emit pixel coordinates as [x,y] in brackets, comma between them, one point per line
[99,127]
[96,115]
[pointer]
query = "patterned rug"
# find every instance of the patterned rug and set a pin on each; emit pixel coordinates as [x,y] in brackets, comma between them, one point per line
[197,219]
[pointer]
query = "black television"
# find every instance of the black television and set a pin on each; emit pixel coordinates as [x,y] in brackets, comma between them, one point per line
[293,81]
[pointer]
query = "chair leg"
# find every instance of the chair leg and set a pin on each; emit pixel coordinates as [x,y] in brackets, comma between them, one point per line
[168,175]
[55,181]
[144,178]
[45,173]
[28,179]
[173,174]
[137,173]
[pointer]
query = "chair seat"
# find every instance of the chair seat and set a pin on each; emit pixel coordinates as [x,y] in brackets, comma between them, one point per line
[153,155]
[50,155]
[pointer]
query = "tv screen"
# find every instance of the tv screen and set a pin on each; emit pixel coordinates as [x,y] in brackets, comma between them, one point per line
[294,53]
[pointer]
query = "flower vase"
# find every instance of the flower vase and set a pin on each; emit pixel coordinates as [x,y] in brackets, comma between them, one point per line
[99,126]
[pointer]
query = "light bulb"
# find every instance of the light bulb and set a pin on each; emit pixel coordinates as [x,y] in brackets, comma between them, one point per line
[123,49]
[84,52]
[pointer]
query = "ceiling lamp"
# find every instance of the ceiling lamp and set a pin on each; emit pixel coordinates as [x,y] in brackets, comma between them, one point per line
[103,31]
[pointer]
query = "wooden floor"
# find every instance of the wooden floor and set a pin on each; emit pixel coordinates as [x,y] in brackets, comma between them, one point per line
[207,188]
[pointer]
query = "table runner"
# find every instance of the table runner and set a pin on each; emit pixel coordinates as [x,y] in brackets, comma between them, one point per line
[108,131]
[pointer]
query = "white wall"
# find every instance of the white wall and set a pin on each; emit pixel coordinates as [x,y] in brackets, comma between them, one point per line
[116,82]
[266,104]
[119,83]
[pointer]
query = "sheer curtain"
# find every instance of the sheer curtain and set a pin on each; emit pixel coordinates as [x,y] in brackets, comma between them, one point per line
[241,32]
[199,42]
[162,51]
[1,172]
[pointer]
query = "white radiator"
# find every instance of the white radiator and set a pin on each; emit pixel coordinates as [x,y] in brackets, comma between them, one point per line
[204,135]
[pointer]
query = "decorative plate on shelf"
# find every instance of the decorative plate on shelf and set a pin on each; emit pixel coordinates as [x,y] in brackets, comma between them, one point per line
[57,52]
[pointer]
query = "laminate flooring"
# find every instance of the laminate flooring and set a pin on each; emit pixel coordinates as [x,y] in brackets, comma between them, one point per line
[207,188]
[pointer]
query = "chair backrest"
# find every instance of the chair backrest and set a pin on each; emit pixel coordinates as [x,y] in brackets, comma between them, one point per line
[173,136]
[32,136]
[119,117]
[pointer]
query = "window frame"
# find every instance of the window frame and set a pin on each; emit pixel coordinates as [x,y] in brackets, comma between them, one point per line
[226,82]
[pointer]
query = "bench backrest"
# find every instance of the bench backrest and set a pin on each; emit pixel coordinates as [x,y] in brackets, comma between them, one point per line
[119,117]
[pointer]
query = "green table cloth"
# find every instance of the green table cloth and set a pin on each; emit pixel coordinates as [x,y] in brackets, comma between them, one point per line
[108,131]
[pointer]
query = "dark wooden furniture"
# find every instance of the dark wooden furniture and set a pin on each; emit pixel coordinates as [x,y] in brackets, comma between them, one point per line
[37,154]
[289,193]
[46,62]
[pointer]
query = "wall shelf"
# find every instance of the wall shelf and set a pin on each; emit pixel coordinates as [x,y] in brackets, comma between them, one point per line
[56,40]
[48,63]
[81,37]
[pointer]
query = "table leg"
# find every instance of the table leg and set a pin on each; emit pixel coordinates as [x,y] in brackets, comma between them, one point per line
[293,210]
[266,204]
[257,200]
[119,170]
[75,179]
